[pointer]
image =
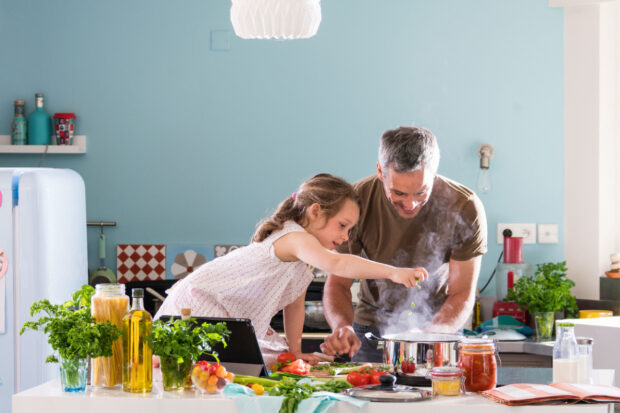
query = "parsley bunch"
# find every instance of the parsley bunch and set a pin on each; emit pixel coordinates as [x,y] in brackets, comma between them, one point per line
[71,330]
[185,340]
[294,392]
[547,291]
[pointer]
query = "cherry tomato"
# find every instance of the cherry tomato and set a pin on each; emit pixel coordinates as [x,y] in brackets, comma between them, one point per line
[286,358]
[259,390]
[407,366]
[358,379]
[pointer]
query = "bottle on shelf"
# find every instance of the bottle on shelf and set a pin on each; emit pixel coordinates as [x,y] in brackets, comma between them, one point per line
[137,353]
[565,355]
[186,313]
[18,126]
[39,124]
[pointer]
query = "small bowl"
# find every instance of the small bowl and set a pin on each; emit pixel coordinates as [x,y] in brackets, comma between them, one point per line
[612,274]
[210,378]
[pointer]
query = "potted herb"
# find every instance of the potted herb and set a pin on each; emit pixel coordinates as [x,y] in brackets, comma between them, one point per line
[180,342]
[543,294]
[73,334]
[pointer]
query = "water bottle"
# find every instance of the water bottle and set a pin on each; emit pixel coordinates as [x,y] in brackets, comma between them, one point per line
[565,355]
[39,124]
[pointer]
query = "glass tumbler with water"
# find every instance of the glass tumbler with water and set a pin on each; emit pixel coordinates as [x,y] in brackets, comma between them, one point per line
[565,355]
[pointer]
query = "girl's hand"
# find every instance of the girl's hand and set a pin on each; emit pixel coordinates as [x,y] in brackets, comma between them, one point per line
[409,276]
[309,358]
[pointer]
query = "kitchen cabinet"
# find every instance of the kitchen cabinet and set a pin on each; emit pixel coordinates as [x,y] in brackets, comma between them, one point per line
[78,147]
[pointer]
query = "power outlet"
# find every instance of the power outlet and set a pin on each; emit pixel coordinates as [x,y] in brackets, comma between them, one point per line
[527,231]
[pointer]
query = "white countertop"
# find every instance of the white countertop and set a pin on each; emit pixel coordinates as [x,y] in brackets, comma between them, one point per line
[49,398]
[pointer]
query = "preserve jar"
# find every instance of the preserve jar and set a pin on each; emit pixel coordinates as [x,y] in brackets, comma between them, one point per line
[109,303]
[447,381]
[478,361]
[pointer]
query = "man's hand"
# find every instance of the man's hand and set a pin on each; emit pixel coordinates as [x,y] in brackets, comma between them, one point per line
[341,341]
[409,276]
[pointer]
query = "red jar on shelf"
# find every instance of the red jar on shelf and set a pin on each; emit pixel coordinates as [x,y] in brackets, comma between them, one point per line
[478,361]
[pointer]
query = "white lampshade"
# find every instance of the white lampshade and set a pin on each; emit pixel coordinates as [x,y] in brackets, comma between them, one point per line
[275,19]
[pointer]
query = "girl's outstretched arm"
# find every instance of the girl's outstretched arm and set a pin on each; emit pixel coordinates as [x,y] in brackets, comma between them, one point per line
[294,315]
[305,247]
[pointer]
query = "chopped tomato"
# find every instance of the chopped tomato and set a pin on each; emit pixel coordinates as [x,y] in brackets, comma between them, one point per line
[286,358]
[358,379]
[374,377]
[297,367]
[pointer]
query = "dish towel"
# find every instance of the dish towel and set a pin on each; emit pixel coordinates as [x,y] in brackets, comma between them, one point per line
[319,402]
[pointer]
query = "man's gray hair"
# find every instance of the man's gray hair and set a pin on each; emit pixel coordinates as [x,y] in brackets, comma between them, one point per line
[408,149]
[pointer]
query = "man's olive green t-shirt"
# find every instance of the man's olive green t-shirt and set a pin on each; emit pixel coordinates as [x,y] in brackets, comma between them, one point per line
[452,225]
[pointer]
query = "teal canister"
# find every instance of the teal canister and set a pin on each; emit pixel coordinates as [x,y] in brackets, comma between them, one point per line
[18,126]
[39,124]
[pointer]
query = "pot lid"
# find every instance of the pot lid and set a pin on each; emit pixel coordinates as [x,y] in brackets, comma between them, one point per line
[388,391]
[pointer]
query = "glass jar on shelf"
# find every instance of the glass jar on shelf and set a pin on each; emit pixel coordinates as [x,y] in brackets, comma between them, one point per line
[109,303]
[478,359]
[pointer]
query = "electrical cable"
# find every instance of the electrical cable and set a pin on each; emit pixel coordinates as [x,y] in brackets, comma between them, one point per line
[493,273]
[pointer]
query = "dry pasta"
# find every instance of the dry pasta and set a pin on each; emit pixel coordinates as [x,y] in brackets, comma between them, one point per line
[108,371]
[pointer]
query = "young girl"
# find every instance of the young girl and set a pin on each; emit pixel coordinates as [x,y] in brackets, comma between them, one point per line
[274,271]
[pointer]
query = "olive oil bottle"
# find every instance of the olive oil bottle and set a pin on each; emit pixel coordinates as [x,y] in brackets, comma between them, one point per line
[137,352]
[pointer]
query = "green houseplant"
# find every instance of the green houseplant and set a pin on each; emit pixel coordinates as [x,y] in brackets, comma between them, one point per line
[543,294]
[73,334]
[179,343]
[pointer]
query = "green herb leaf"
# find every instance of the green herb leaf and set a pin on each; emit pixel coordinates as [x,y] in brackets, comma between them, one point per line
[547,291]
[186,340]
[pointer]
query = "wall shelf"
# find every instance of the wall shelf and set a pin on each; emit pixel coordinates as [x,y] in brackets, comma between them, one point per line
[79,146]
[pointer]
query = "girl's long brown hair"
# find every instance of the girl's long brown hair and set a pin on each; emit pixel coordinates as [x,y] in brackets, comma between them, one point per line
[329,191]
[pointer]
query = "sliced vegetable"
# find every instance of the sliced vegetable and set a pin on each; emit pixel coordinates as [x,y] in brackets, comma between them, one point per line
[286,358]
[297,367]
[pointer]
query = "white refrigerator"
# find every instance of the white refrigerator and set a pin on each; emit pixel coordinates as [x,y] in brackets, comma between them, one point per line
[42,255]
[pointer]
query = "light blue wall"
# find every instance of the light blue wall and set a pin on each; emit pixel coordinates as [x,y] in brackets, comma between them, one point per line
[190,145]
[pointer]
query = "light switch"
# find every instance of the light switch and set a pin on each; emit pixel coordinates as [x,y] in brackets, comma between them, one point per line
[548,234]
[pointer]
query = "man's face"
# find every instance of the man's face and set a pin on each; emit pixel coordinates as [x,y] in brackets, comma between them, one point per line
[407,191]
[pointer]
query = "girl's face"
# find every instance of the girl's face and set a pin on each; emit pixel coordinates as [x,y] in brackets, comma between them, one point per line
[333,231]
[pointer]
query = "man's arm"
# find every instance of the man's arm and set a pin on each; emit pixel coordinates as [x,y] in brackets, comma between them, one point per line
[339,314]
[461,296]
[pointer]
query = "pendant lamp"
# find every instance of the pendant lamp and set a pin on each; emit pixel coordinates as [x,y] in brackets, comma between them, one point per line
[275,19]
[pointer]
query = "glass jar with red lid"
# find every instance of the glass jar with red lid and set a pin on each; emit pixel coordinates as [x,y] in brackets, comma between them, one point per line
[478,360]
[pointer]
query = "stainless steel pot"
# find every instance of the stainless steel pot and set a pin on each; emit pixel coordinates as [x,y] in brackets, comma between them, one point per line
[315,317]
[425,350]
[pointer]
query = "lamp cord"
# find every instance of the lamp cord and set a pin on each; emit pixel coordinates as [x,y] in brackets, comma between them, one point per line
[493,273]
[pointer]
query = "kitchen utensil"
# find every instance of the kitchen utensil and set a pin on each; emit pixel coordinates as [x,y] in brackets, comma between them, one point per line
[315,317]
[424,350]
[388,391]
[102,274]
[155,293]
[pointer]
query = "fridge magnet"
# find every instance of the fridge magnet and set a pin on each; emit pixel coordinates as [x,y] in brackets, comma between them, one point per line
[184,259]
[140,262]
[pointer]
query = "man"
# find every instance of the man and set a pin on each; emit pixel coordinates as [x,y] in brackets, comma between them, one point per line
[410,217]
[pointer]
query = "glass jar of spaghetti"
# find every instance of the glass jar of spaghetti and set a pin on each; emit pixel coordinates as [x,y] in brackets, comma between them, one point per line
[477,359]
[109,304]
